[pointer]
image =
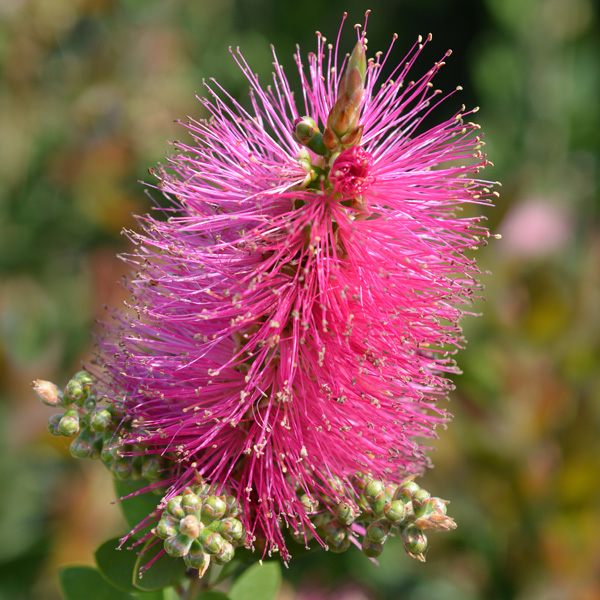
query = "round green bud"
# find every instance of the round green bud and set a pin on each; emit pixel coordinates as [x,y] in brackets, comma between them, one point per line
[373,491]
[54,424]
[166,528]
[100,420]
[334,532]
[178,545]
[340,547]
[371,549]
[407,490]
[345,513]
[151,468]
[196,558]
[421,495]
[377,532]
[380,505]
[211,541]
[225,554]
[74,392]
[111,451]
[310,504]
[395,512]
[233,508]
[81,447]
[414,540]
[68,425]
[190,526]
[214,507]
[230,528]
[190,503]
[122,469]
[83,377]
[174,507]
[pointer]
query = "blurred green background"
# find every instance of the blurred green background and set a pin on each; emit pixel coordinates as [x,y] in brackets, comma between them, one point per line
[89,90]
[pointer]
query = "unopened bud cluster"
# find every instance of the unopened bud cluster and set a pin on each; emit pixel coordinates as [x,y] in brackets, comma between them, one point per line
[94,428]
[201,527]
[381,510]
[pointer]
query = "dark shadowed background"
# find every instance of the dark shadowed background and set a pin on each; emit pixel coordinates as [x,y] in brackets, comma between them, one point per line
[89,90]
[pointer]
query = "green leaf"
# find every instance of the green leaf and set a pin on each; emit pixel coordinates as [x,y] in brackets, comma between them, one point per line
[153,595]
[163,570]
[212,595]
[136,508]
[117,566]
[86,583]
[259,582]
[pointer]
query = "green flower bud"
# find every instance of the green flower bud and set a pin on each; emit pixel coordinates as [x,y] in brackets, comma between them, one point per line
[174,507]
[122,469]
[190,526]
[166,528]
[74,392]
[190,502]
[47,392]
[54,424]
[334,532]
[81,446]
[178,545]
[345,513]
[83,377]
[230,528]
[371,549]
[211,541]
[311,504]
[225,554]
[395,512]
[377,532]
[233,508]
[100,420]
[214,507]
[407,489]
[68,425]
[308,134]
[340,547]
[111,451]
[415,542]
[196,558]
[151,468]
[374,490]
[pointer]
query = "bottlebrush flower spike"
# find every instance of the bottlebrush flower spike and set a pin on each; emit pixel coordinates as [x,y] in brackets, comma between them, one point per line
[293,320]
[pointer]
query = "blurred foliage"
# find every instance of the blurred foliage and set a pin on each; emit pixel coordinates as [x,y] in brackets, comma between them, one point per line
[88,93]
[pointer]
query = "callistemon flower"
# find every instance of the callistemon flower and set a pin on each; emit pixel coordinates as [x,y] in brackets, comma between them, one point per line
[294,317]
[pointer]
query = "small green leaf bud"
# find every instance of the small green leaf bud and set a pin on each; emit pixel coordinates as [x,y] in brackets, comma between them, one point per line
[69,423]
[211,541]
[190,503]
[225,554]
[178,545]
[190,526]
[100,420]
[371,549]
[374,490]
[166,528]
[308,134]
[174,507]
[415,542]
[196,558]
[54,424]
[214,507]
[395,512]
[407,489]
[111,451]
[47,392]
[377,532]
[81,446]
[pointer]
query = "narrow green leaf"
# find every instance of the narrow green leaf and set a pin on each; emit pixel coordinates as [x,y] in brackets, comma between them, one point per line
[163,571]
[136,508]
[117,566]
[86,583]
[259,582]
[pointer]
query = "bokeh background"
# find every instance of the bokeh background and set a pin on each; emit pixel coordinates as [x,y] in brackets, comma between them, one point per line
[89,90]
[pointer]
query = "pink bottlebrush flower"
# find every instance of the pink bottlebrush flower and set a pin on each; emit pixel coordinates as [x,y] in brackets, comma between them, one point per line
[294,318]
